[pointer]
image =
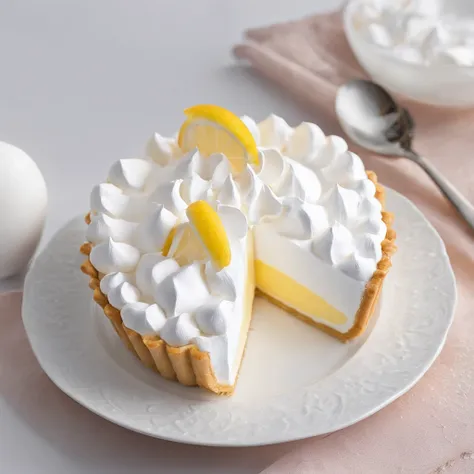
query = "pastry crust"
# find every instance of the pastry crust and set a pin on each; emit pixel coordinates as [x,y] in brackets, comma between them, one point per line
[188,364]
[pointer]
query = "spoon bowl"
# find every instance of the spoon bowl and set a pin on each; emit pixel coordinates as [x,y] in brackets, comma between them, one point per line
[372,118]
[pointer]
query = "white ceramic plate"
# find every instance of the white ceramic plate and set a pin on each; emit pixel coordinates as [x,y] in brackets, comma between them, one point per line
[316,386]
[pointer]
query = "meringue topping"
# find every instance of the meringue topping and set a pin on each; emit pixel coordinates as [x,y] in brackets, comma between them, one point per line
[345,168]
[151,270]
[220,282]
[183,291]
[272,167]
[152,232]
[258,197]
[229,193]
[213,317]
[252,126]
[364,187]
[143,318]
[274,132]
[301,220]
[299,181]
[123,294]
[334,245]
[341,204]
[161,149]
[195,188]
[234,221]
[103,227]
[111,256]
[108,199]
[113,280]
[169,195]
[130,175]
[357,267]
[305,142]
[179,330]
[368,246]
[332,148]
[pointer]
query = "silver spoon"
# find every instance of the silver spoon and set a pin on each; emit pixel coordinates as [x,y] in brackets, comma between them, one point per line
[372,119]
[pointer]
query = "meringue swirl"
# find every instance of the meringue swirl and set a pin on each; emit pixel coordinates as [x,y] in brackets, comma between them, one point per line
[130,175]
[111,256]
[146,319]
[179,330]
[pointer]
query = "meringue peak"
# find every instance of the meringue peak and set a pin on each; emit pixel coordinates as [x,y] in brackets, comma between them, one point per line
[305,142]
[108,199]
[213,317]
[182,291]
[179,330]
[357,267]
[152,232]
[169,195]
[162,149]
[332,148]
[334,244]
[252,126]
[345,168]
[220,283]
[194,188]
[301,182]
[130,175]
[123,294]
[102,227]
[274,132]
[113,280]
[234,221]
[111,256]
[301,220]
[143,318]
[341,205]
[153,268]
[229,193]
[272,166]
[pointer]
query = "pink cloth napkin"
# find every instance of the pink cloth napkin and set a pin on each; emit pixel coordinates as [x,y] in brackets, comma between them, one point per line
[43,431]
[431,429]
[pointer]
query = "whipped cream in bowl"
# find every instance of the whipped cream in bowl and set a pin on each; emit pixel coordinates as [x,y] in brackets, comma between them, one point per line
[422,49]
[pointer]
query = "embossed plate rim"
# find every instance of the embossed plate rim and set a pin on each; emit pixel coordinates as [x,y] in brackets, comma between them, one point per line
[411,340]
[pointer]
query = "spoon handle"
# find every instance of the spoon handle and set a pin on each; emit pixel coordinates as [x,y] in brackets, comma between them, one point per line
[462,205]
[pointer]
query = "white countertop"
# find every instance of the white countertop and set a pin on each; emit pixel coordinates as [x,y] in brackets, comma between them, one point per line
[84,83]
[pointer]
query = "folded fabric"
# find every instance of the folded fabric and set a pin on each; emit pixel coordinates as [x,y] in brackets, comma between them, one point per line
[431,429]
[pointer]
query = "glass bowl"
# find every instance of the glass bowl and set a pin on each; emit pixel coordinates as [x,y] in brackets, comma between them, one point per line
[435,84]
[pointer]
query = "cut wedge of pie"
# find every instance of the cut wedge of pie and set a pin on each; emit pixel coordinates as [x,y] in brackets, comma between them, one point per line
[178,242]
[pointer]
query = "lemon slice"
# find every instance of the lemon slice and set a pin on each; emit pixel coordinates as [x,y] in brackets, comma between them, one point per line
[184,245]
[208,226]
[168,242]
[213,129]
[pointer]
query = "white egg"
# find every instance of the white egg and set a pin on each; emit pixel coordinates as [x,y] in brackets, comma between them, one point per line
[23,200]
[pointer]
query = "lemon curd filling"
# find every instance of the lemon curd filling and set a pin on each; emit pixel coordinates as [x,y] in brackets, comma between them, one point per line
[283,288]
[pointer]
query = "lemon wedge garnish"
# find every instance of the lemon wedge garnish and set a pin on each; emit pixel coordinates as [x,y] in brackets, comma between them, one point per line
[208,226]
[184,246]
[213,129]
[168,242]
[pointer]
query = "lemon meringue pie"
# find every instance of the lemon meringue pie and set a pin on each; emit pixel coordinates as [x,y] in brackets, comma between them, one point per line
[179,241]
